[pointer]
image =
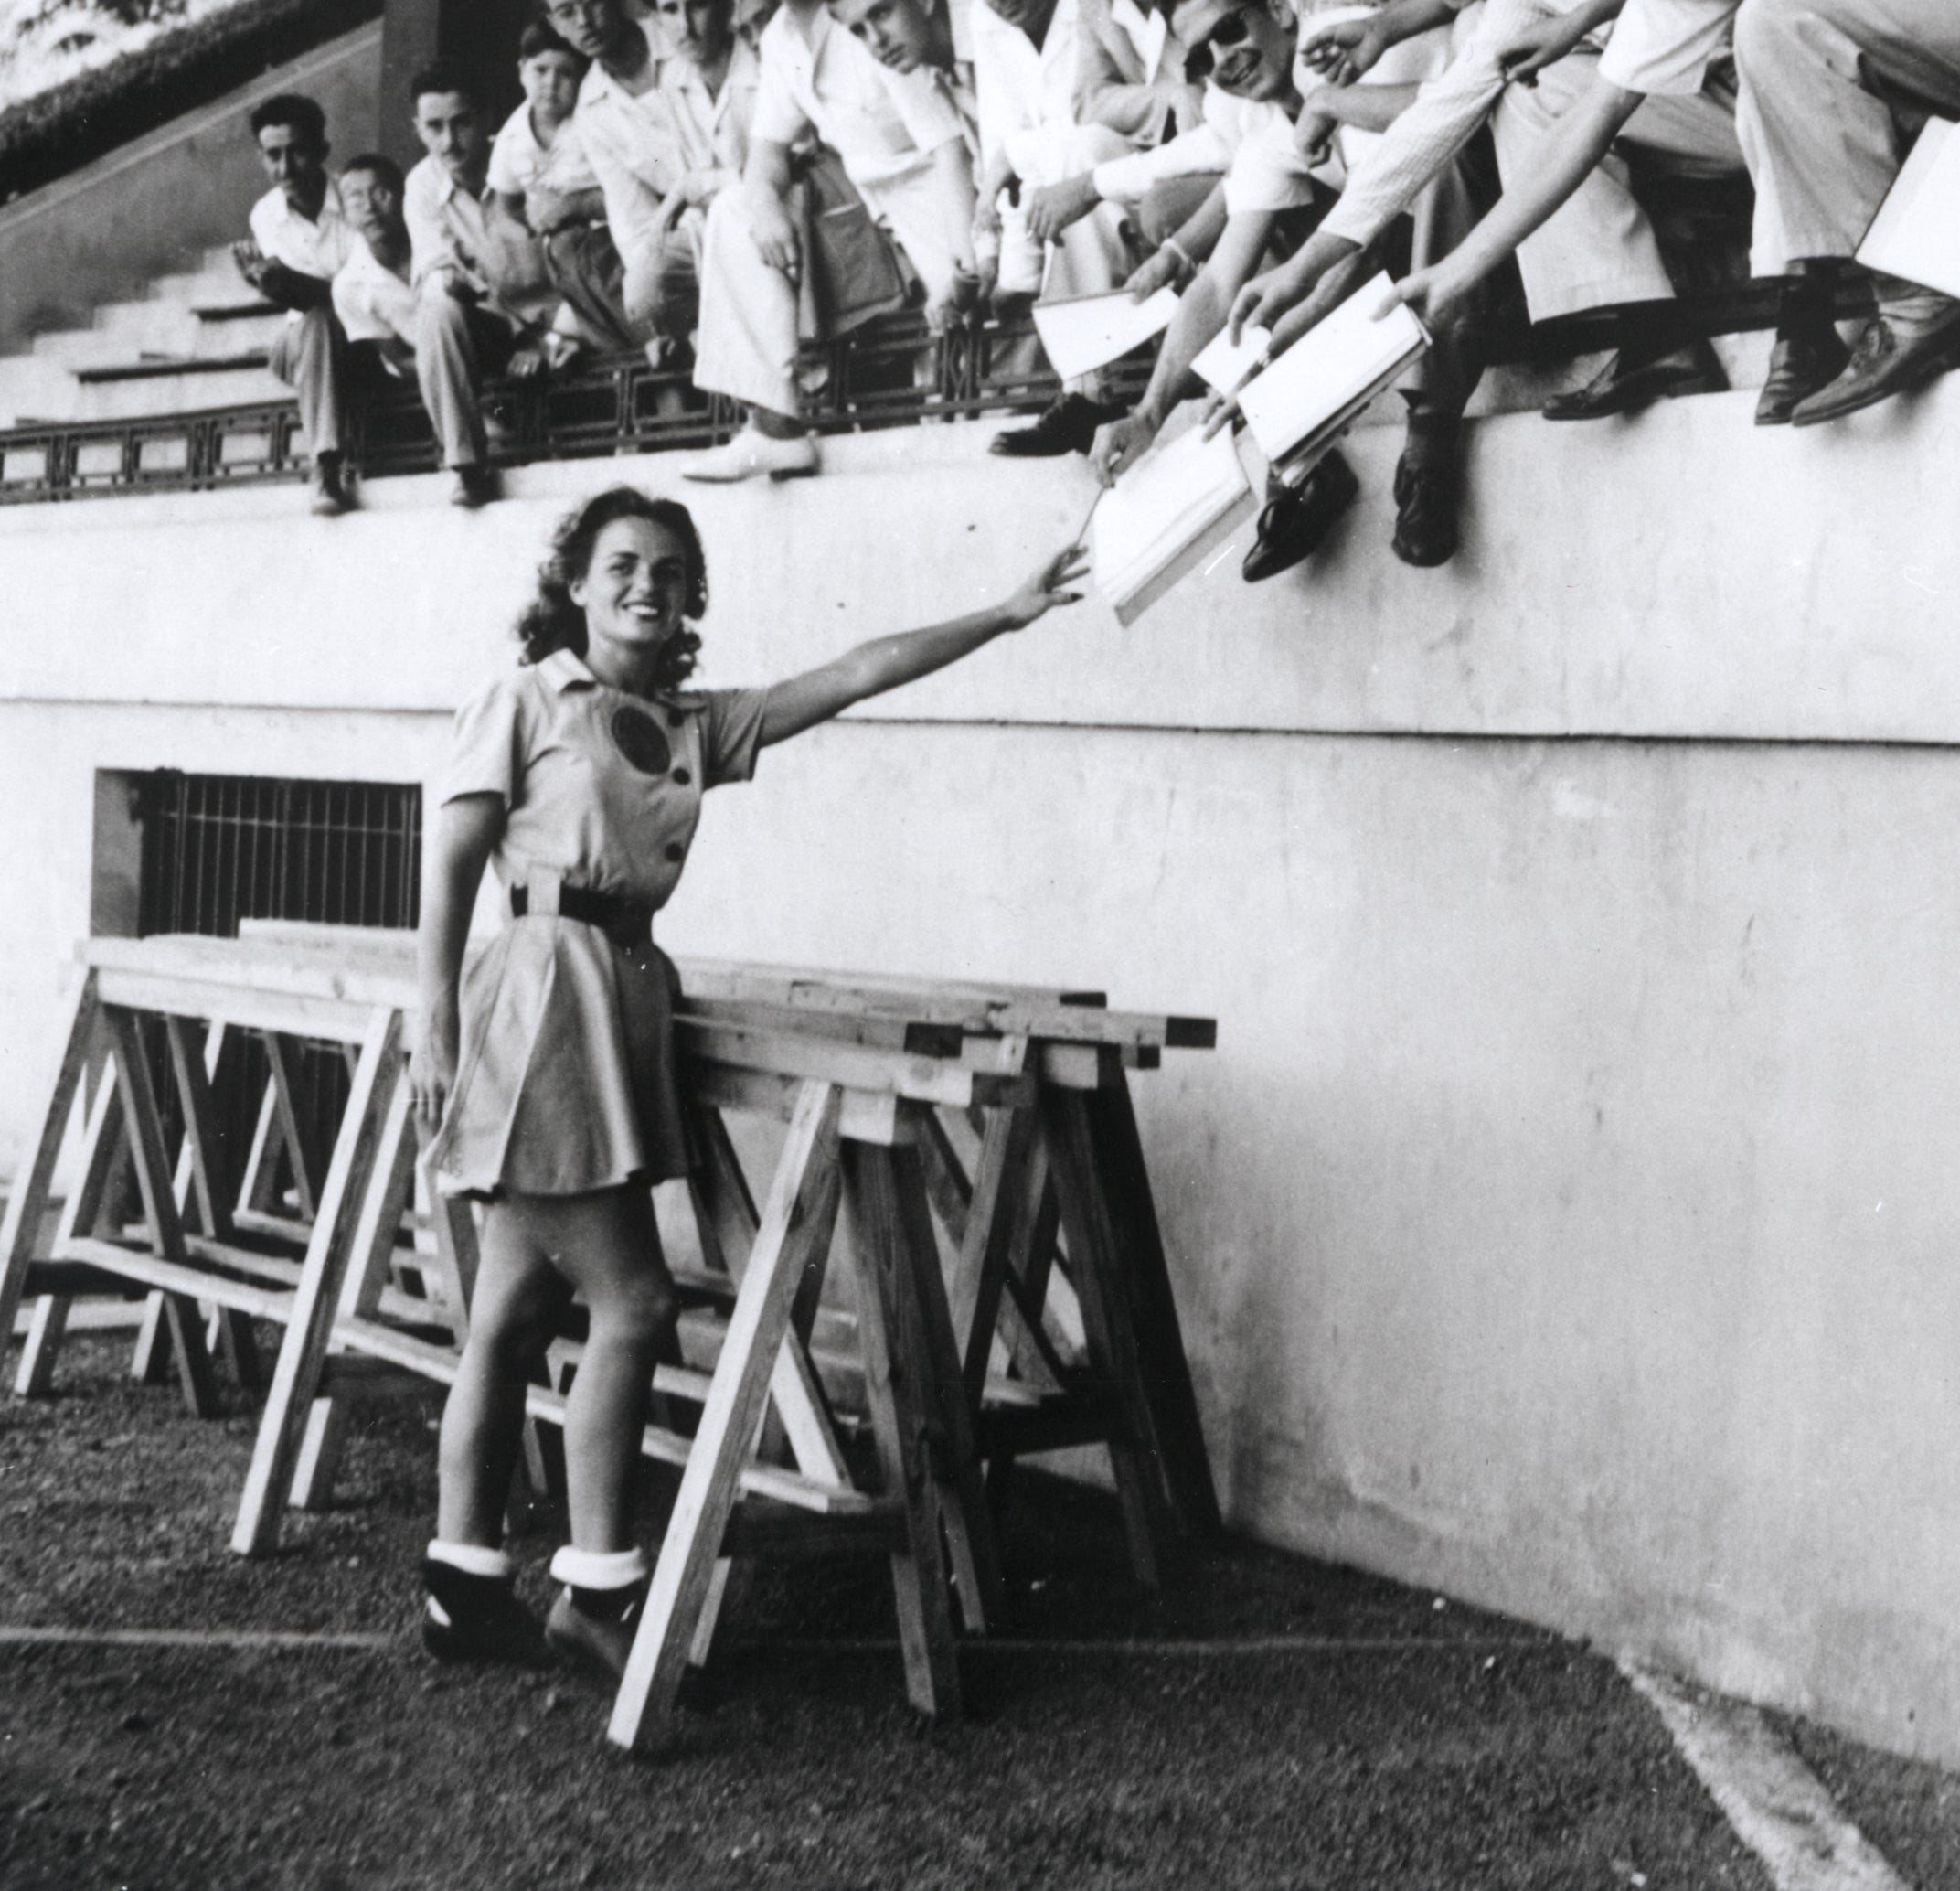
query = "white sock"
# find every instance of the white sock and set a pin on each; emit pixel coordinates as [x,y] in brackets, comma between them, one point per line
[598,1569]
[472,1559]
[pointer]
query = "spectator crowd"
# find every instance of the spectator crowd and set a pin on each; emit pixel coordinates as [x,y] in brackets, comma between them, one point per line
[720,182]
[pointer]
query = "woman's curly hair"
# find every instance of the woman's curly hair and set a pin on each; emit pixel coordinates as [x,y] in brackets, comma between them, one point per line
[551,621]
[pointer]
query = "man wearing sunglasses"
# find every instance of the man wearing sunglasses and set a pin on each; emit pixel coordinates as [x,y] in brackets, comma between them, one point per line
[1247,49]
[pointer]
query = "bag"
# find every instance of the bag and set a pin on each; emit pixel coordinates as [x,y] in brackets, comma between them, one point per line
[853,266]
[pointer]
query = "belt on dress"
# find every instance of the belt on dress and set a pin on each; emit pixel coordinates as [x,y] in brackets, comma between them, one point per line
[624,922]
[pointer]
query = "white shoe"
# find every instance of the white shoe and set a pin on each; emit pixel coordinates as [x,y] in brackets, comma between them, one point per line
[752,452]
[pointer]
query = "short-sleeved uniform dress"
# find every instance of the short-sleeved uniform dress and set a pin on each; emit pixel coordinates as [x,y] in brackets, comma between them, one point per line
[565,1081]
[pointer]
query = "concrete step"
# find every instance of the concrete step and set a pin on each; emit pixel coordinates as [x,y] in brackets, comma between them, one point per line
[215,340]
[33,389]
[149,327]
[169,393]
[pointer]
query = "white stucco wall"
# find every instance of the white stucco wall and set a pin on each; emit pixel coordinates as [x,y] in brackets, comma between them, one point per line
[1567,1217]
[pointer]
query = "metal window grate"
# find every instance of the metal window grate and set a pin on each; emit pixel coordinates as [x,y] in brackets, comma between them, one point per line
[217,848]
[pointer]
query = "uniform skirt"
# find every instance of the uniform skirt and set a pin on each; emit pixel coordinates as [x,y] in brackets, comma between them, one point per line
[566,1081]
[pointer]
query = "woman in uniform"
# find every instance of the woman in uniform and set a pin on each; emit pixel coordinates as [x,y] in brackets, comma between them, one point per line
[549,1070]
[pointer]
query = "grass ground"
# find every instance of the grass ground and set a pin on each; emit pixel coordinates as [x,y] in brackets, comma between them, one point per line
[1270,1722]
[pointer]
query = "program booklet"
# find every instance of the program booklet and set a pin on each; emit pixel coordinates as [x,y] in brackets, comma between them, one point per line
[1916,233]
[1169,512]
[1309,395]
[1082,332]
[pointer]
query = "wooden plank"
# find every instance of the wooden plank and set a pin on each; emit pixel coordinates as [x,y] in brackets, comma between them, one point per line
[20,1231]
[835,1061]
[898,1427]
[258,1184]
[176,1277]
[999,1184]
[983,1597]
[296,1376]
[297,1159]
[143,1123]
[296,1014]
[798,1204]
[102,1145]
[201,1180]
[865,1117]
[876,1030]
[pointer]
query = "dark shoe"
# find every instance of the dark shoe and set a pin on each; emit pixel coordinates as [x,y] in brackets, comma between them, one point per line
[1909,341]
[1613,390]
[1066,425]
[1428,495]
[478,1618]
[1297,518]
[474,486]
[330,494]
[1799,366]
[601,1643]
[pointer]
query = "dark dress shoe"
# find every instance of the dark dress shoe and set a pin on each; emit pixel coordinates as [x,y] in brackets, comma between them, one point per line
[1066,425]
[1799,366]
[1904,345]
[1428,495]
[1297,518]
[1616,390]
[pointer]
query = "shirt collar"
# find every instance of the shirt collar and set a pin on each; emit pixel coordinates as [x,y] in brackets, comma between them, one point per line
[566,669]
[598,83]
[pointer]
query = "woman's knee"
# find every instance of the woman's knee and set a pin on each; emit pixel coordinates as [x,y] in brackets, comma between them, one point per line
[638,1314]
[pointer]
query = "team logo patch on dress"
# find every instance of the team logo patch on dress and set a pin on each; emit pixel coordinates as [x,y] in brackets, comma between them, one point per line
[641,740]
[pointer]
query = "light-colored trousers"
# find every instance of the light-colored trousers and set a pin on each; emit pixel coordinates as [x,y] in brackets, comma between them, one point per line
[455,346]
[1090,256]
[310,356]
[1599,249]
[748,340]
[1822,141]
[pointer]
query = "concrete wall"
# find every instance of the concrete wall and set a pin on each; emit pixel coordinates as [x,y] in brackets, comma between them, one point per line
[1567,1217]
[156,204]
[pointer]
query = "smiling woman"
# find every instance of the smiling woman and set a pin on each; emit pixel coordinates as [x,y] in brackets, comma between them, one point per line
[549,1077]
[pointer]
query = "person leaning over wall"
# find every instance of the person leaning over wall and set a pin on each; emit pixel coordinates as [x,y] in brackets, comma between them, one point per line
[299,238]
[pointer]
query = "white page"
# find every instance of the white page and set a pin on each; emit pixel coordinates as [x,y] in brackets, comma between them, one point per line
[1083,333]
[1228,369]
[1328,368]
[1167,499]
[1916,233]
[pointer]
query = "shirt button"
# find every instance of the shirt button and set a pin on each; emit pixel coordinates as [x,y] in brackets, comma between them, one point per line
[676,851]
[682,776]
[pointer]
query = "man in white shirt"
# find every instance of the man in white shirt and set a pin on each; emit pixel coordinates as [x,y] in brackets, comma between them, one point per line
[1026,62]
[461,330]
[299,241]
[626,125]
[904,151]
[1795,62]
[710,86]
[374,294]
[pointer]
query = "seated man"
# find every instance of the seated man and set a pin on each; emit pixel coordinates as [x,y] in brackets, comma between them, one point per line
[551,213]
[299,241]
[1823,85]
[461,330]
[626,124]
[374,293]
[710,85]
[1025,68]
[903,148]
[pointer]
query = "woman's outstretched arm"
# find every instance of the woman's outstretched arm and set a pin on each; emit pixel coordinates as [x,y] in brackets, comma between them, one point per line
[884,663]
[465,831]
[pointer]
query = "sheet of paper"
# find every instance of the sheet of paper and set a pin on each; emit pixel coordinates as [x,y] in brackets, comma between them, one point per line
[1916,233]
[1162,516]
[1228,369]
[1083,333]
[1330,368]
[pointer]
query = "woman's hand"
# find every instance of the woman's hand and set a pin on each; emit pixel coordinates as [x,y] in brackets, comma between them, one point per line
[433,1067]
[1046,589]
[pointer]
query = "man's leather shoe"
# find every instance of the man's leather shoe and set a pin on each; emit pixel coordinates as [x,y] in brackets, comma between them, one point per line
[1799,366]
[1616,390]
[1910,340]
[1427,495]
[751,453]
[1297,518]
[476,486]
[1066,425]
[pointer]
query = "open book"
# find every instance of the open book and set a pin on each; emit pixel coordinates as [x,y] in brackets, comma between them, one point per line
[1082,333]
[1169,512]
[1300,405]
[1916,233]
[1228,369]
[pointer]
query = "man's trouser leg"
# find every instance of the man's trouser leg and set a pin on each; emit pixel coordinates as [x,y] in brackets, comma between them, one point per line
[659,290]
[455,345]
[585,270]
[747,348]
[1822,142]
[310,357]
[1599,250]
